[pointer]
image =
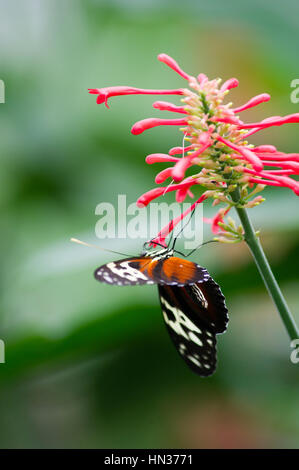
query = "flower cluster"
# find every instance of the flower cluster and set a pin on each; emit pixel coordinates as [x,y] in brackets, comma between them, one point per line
[215,143]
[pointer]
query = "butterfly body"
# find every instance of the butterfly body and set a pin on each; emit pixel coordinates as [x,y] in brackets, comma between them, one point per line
[192,303]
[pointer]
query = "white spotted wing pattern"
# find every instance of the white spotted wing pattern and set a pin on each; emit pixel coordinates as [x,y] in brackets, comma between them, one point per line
[122,273]
[193,321]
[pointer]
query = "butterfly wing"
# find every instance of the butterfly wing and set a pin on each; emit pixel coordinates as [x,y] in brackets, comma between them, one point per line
[125,272]
[178,272]
[194,314]
[147,270]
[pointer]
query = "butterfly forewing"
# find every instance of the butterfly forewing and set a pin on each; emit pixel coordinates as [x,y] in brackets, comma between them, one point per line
[125,272]
[178,272]
[151,270]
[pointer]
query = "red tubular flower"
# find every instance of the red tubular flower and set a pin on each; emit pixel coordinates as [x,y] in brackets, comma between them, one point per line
[146,198]
[217,145]
[273,121]
[293,166]
[145,124]
[202,78]
[245,136]
[165,106]
[227,120]
[178,171]
[229,84]
[160,157]
[163,175]
[181,194]
[178,150]
[279,156]
[263,182]
[267,173]
[282,181]
[253,102]
[246,153]
[285,181]
[281,172]
[184,163]
[219,217]
[108,92]
[173,65]
[265,148]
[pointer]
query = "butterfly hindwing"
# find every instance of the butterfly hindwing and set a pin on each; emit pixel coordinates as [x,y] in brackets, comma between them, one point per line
[186,312]
[216,312]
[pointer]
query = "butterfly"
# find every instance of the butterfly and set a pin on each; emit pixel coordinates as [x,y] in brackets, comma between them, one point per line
[192,303]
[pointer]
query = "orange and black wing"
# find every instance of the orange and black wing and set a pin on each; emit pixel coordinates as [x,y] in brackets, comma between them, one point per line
[147,270]
[179,272]
[193,315]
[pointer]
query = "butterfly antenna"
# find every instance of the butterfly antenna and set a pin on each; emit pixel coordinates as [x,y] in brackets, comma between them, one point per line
[170,227]
[188,221]
[80,242]
[199,246]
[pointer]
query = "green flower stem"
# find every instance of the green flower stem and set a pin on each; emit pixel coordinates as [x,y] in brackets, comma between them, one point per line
[265,270]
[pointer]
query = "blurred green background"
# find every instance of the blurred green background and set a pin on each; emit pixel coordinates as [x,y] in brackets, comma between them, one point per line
[89,365]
